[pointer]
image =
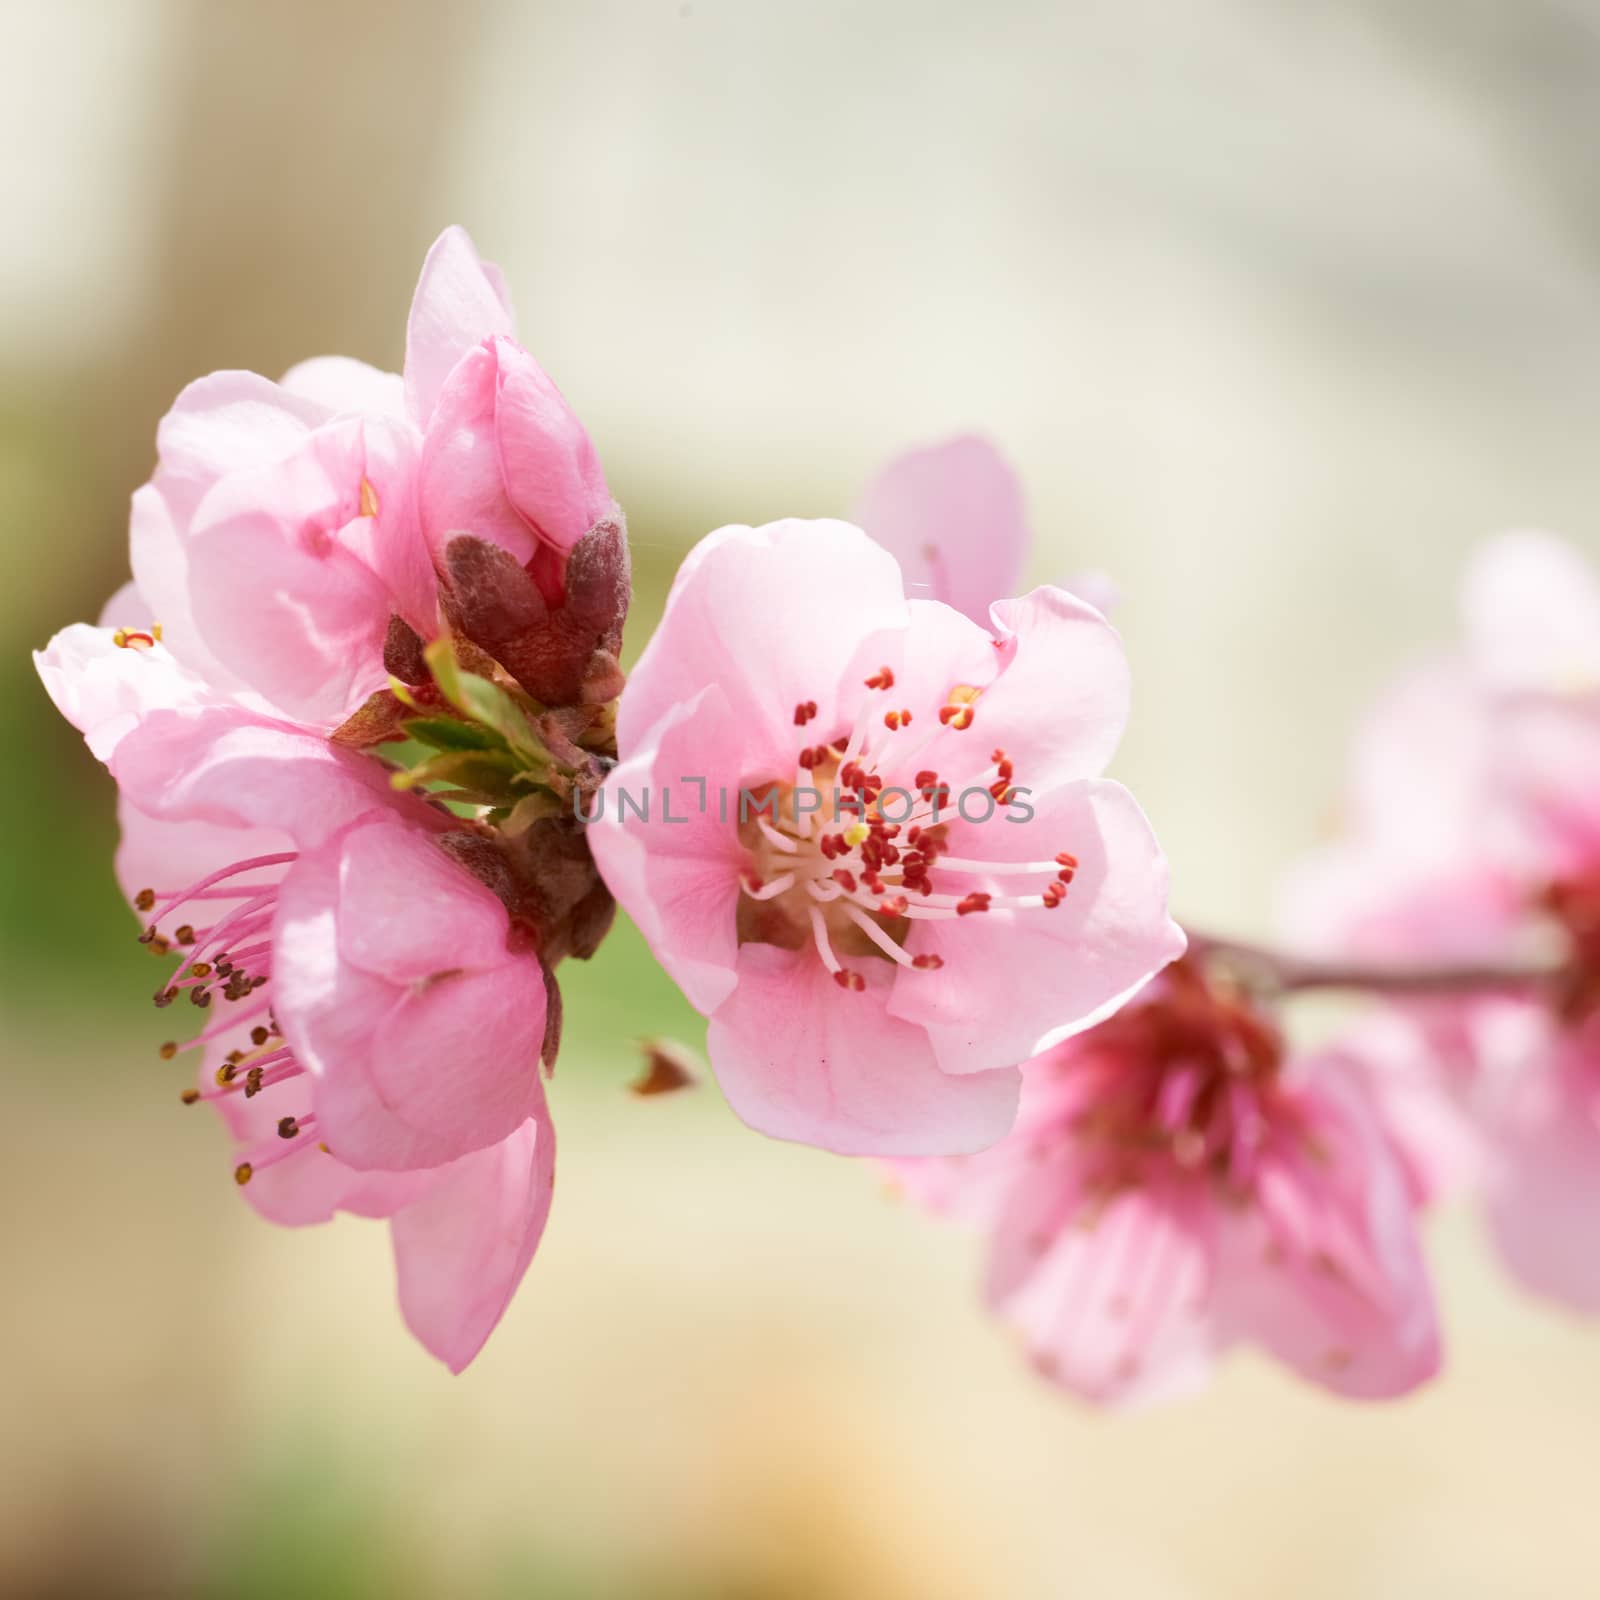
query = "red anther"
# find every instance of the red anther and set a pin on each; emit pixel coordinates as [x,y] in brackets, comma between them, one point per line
[873,882]
[831,845]
[891,854]
[976,901]
[814,757]
[1066,874]
[845,878]
[997,754]
[1054,894]
[895,720]
[804,712]
[956,717]
[1064,860]
[927,778]
[853,981]
[894,906]
[841,745]
[927,963]
[883,678]
[1000,789]
[1004,769]
[914,833]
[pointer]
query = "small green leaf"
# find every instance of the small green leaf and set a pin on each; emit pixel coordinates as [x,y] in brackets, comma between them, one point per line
[482,701]
[489,773]
[445,733]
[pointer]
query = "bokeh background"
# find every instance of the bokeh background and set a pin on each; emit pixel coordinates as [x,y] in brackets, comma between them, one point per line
[1278,308]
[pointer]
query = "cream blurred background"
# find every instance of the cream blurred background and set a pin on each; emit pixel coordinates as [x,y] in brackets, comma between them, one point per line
[1277,307]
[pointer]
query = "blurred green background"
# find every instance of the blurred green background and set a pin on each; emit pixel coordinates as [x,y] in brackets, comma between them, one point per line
[1278,309]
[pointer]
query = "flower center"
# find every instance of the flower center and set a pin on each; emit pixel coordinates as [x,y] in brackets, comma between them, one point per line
[853,850]
[1188,1077]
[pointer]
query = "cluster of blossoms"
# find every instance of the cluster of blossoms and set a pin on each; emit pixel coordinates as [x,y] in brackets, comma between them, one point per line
[380,773]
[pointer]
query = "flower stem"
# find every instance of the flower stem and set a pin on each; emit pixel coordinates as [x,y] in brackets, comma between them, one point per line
[1283,973]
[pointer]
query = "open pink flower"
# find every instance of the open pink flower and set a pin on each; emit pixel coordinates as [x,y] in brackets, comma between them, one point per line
[380,1013]
[1175,1185]
[878,854]
[1475,836]
[378,1025]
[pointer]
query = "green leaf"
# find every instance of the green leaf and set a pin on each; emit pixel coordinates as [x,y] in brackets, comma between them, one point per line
[486,772]
[445,733]
[482,701]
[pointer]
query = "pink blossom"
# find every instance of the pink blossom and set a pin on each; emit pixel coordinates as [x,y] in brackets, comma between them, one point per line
[378,969]
[873,972]
[287,522]
[378,1026]
[379,1019]
[1475,836]
[1175,1185]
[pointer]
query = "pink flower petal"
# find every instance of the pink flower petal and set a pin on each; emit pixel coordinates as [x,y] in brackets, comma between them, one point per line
[105,690]
[1060,970]
[952,516]
[798,1058]
[286,571]
[777,615]
[1543,1187]
[461,1250]
[232,769]
[1326,1269]
[548,462]
[347,387]
[1060,701]
[677,869]
[427,1061]
[458,304]
[1111,1298]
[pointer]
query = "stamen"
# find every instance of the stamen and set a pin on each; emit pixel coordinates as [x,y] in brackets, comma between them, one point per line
[769,891]
[779,841]
[232,871]
[995,868]
[879,937]
[819,932]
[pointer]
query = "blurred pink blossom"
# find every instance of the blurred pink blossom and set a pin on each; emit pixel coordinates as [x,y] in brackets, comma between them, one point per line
[1474,835]
[1177,1184]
